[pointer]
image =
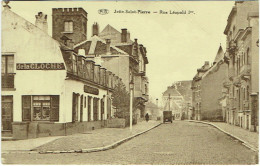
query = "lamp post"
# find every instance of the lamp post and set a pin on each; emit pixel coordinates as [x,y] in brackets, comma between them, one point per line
[131,86]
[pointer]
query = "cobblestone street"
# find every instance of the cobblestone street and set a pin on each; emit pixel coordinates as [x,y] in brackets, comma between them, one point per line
[177,143]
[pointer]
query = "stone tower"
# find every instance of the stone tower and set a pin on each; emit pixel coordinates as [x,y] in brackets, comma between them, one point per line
[69,22]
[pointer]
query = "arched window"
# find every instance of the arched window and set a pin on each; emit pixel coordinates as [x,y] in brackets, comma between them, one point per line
[247,55]
[248,93]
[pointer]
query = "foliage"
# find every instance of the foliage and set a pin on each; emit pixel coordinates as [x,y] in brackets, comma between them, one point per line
[121,100]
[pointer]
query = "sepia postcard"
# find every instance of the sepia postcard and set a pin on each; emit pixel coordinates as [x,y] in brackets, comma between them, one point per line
[130,82]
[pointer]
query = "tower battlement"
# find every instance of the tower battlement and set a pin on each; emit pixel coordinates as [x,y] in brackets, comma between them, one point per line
[69,11]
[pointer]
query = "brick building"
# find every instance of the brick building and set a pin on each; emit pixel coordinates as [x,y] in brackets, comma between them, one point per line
[71,22]
[242,57]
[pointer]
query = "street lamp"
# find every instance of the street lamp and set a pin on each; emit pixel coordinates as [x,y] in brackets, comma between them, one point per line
[131,86]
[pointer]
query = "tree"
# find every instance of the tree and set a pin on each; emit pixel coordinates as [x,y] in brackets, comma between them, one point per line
[121,100]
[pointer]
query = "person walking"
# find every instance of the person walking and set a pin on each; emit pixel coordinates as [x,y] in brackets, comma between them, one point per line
[147,117]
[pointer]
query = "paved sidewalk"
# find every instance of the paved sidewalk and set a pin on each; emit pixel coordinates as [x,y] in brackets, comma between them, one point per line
[76,142]
[95,138]
[248,138]
[246,135]
[26,145]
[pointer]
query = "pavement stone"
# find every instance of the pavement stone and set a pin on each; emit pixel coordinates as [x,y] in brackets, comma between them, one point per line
[97,139]
[249,139]
[177,143]
[246,135]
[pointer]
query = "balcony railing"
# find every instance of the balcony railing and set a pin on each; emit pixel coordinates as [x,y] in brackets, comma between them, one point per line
[7,80]
[232,47]
[231,73]
[245,69]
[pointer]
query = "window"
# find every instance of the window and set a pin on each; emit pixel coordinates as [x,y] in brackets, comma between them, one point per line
[74,107]
[74,61]
[7,71]
[95,108]
[40,108]
[85,102]
[89,108]
[247,56]
[68,26]
[7,64]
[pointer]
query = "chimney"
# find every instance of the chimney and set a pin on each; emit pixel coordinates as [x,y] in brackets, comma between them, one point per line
[108,42]
[70,44]
[206,65]
[41,22]
[6,6]
[124,36]
[81,52]
[95,29]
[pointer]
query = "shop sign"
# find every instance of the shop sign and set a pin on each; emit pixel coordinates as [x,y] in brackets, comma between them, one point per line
[91,90]
[40,66]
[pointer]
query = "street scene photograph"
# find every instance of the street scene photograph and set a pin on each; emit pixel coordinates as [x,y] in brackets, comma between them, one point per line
[130,82]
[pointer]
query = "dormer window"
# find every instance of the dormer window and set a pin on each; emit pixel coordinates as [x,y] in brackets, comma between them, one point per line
[68,26]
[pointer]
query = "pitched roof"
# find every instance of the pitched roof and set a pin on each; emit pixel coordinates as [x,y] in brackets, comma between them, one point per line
[96,45]
[172,91]
[219,56]
[109,29]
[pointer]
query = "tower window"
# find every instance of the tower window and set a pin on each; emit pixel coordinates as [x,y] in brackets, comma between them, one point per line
[68,26]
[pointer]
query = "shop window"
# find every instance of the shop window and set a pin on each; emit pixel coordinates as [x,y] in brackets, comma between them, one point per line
[68,26]
[102,108]
[95,109]
[7,63]
[26,105]
[40,108]
[81,108]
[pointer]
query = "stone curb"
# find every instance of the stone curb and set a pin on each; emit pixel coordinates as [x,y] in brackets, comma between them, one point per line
[248,145]
[111,146]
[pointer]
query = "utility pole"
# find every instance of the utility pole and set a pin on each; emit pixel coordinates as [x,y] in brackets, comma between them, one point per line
[169,98]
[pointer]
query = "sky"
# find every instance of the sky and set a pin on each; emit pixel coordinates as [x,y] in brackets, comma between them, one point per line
[177,44]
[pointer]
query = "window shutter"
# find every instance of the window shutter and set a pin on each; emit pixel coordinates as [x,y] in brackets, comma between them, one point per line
[26,108]
[55,108]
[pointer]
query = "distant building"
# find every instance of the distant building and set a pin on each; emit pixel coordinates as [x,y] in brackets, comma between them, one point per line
[242,56]
[184,87]
[196,87]
[173,101]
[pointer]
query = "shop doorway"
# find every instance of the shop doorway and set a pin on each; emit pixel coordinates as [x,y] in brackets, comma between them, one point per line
[7,113]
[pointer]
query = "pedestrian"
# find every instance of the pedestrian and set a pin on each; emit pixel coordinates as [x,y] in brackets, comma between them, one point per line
[147,117]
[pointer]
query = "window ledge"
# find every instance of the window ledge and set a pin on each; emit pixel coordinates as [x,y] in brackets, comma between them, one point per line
[8,89]
[67,32]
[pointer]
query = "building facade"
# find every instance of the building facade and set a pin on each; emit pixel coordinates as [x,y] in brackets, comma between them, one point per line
[49,89]
[184,88]
[130,67]
[211,92]
[242,57]
[196,87]
[173,101]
